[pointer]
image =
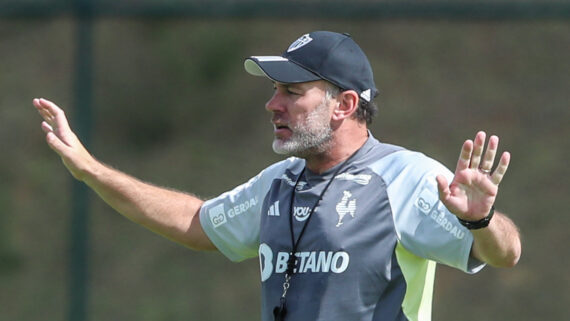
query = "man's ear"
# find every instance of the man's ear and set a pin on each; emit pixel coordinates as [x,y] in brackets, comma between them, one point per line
[347,103]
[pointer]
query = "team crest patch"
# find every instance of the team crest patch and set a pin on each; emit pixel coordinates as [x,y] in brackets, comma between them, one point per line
[302,41]
[345,206]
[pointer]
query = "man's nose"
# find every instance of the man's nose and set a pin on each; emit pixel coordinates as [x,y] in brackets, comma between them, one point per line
[276,103]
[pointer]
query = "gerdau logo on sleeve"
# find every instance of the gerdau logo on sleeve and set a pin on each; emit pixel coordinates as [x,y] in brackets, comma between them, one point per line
[307,262]
[219,215]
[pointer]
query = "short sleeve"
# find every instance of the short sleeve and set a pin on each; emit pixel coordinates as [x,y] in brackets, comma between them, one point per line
[232,220]
[423,224]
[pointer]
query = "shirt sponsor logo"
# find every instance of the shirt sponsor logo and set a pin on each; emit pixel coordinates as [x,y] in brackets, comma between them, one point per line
[242,208]
[427,202]
[219,216]
[301,213]
[306,262]
[441,219]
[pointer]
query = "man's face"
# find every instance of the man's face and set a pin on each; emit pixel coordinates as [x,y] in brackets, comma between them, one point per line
[301,118]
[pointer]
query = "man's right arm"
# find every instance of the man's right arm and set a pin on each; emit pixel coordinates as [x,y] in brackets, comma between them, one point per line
[172,214]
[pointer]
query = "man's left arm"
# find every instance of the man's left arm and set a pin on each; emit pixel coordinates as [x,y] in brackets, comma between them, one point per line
[498,244]
[471,195]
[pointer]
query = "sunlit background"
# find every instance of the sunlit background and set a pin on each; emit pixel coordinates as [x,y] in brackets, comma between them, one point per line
[158,90]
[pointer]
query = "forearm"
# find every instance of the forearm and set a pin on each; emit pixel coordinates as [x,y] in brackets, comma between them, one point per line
[172,214]
[498,244]
[169,213]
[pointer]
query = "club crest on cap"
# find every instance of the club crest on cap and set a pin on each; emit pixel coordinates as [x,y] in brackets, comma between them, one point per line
[303,40]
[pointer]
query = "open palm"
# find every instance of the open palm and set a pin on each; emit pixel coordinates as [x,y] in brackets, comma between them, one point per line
[473,190]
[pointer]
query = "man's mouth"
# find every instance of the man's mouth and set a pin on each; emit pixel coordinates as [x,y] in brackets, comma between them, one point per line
[281,130]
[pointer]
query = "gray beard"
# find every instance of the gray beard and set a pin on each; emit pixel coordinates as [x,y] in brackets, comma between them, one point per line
[309,138]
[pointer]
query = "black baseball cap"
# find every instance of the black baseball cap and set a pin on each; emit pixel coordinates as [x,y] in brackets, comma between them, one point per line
[327,55]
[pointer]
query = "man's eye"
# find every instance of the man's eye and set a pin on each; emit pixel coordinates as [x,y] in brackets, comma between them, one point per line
[292,92]
[288,90]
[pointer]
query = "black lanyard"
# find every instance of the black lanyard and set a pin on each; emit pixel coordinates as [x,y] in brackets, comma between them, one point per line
[280,311]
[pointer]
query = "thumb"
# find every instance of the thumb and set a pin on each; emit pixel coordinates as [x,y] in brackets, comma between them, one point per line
[442,187]
[56,144]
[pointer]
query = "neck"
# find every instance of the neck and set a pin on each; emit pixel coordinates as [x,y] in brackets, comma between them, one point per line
[341,148]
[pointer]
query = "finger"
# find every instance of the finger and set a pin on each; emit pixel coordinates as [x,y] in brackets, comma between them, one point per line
[490,153]
[56,118]
[36,102]
[465,155]
[445,194]
[40,104]
[56,144]
[478,144]
[47,105]
[50,106]
[46,115]
[47,127]
[56,115]
[497,176]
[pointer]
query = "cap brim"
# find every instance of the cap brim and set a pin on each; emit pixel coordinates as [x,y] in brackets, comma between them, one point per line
[278,69]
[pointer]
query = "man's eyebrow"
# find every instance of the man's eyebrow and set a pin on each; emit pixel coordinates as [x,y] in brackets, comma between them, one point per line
[298,86]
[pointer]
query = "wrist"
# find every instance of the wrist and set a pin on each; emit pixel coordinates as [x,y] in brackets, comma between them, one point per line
[479,224]
[93,171]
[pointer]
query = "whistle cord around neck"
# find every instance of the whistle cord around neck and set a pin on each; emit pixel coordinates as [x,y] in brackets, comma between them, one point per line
[280,311]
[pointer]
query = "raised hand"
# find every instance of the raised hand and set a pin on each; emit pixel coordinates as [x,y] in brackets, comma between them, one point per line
[474,187]
[62,139]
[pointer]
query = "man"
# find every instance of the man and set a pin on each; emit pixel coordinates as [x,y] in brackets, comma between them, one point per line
[348,228]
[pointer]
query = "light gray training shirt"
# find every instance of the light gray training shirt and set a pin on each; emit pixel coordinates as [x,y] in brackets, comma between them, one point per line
[369,252]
